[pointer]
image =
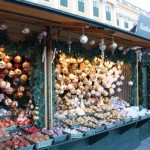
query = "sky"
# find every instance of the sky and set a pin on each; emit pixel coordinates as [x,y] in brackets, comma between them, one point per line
[143,4]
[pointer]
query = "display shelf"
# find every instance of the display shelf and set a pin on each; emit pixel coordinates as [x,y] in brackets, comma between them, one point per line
[123,128]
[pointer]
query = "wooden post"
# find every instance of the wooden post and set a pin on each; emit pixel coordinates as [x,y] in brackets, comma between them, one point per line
[137,78]
[50,88]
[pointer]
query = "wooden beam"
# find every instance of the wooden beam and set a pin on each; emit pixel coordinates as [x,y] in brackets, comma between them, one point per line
[87,30]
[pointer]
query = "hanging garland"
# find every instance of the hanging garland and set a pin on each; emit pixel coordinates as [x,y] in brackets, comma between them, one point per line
[30,49]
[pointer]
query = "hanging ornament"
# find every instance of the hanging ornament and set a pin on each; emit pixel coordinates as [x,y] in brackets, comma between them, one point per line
[3,26]
[83,38]
[102,47]
[118,90]
[120,48]
[122,77]
[17,59]
[130,83]
[69,43]
[25,30]
[113,46]
[43,34]
[92,42]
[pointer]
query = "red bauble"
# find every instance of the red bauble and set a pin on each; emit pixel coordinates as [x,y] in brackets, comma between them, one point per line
[7,59]
[17,59]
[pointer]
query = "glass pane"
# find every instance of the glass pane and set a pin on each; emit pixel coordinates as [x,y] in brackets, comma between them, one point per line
[117,22]
[126,25]
[64,3]
[95,12]
[80,6]
[108,16]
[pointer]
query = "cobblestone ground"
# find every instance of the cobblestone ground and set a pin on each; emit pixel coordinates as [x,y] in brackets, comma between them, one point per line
[145,145]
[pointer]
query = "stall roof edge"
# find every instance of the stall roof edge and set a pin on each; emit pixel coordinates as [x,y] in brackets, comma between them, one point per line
[73,16]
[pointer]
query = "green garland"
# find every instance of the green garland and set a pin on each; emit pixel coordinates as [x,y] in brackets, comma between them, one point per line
[30,49]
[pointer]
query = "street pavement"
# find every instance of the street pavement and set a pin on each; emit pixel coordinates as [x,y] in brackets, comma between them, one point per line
[145,145]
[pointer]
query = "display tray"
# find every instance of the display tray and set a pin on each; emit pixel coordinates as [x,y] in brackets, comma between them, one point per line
[143,117]
[11,128]
[74,136]
[99,129]
[8,116]
[88,132]
[41,144]
[148,115]
[108,126]
[135,118]
[72,117]
[60,138]
[25,126]
[26,148]
[119,123]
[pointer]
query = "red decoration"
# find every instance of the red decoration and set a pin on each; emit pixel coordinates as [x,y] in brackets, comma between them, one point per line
[17,59]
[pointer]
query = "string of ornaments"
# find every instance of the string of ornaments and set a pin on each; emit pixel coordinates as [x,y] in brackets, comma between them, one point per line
[15,71]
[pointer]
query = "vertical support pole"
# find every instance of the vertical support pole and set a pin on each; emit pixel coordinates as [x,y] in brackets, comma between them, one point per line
[45,86]
[50,88]
[48,80]
[137,78]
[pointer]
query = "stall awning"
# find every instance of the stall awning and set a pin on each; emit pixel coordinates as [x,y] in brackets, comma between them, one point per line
[33,13]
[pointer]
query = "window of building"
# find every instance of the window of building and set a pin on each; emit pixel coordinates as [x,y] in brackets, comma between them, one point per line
[126,23]
[95,9]
[118,19]
[108,13]
[64,3]
[81,5]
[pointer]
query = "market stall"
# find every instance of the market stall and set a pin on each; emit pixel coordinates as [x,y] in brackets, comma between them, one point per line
[69,82]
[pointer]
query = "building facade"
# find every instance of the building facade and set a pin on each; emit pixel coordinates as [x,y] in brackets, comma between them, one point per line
[118,13]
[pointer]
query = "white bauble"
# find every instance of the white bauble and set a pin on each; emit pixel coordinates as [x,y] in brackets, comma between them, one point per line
[83,39]
[108,85]
[93,92]
[120,48]
[121,83]
[70,86]
[25,30]
[111,91]
[122,77]
[100,89]
[130,83]
[61,92]
[118,90]
[113,86]
[92,42]
[118,83]
[71,76]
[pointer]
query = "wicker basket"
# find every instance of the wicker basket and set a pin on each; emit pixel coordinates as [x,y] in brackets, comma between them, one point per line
[60,138]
